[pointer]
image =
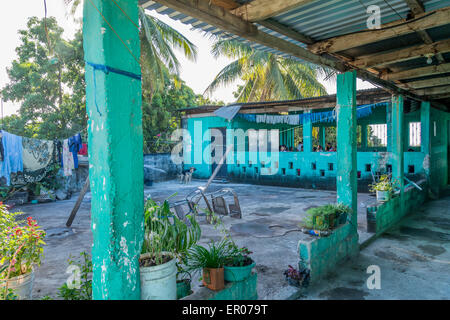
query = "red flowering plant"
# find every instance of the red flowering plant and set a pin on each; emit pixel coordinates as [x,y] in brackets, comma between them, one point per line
[21,244]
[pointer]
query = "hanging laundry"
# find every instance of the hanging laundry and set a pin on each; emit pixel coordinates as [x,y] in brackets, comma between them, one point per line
[68,160]
[75,145]
[38,157]
[12,161]
[2,152]
[83,151]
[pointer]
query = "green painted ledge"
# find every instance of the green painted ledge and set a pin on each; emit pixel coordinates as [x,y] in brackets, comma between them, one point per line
[321,255]
[387,214]
[240,290]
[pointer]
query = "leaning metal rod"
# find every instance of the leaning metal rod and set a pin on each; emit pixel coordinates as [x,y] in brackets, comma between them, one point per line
[217,169]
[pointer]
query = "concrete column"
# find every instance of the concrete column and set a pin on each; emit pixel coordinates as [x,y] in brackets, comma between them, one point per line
[425,135]
[115,146]
[389,127]
[346,142]
[307,134]
[322,137]
[364,136]
[398,131]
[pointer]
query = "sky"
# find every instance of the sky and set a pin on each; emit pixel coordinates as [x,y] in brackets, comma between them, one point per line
[197,75]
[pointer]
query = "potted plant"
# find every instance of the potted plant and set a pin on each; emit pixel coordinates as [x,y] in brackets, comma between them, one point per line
[297,278]
[184,280]
[211,261]
[342,212]
[238,266]
[166,241]
[21,249]
[383,188]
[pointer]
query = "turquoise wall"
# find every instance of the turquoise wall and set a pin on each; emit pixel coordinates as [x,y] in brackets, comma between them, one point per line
[317,169]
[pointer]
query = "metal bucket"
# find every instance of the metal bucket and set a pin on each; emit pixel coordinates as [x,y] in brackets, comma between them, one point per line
[21,285]
[159,282]
[383,196]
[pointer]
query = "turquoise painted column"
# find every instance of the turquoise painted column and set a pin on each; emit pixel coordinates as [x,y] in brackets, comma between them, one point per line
[425,135]
[364,136]
[389,127]
[346,142]
[115,147]
[398,130]
[322,139]
[307,134]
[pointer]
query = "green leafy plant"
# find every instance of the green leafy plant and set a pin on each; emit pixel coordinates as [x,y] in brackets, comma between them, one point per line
[21,245]
[385,183]
[165,232]
[84,290]
[324,217]
[239,257]
[8,295]
[214,256]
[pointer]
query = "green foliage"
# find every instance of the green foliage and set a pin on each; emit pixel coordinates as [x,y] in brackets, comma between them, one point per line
[267,76]
[239,257]
[21,245]
[84,290]
[47,79]
[8,295]
[165,232]
[384,184]
[214,256]
[319,218]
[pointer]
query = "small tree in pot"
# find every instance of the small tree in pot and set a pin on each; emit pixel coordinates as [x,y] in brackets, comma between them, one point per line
[21,249]
[384,188]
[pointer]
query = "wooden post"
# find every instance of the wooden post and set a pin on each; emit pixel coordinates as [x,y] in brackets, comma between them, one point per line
[346,142]
[115,145]
[425,135]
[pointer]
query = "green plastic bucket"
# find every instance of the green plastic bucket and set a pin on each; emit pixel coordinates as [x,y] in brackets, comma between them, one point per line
[183,288]
[233,274]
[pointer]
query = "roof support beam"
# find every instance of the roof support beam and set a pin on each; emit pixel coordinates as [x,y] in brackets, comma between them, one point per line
[416,73]
[223,19]
[420,22]
[263,9]
[384,58]
[286,31]
[417,7]
[433,91]
[427,83]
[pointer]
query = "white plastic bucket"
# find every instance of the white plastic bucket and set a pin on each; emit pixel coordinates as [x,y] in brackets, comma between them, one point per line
[21,285]
[382,196]
[159,282]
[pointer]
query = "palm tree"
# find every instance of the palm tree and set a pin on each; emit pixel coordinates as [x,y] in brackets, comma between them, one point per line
[157,56]
[266,75]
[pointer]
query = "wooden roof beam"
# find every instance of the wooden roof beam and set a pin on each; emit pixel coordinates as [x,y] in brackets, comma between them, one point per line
[417,7]
[434,82]
[258,10]
[423,21]
[286,31]
[385,58]
[418,72]
[433,91]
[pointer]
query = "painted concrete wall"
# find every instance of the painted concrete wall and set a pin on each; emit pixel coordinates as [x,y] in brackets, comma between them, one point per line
[297,169]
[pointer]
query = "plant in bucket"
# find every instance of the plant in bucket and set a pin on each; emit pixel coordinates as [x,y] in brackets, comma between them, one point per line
[211,261]
[21,249]
[238,266]
[166,242]
[384,188]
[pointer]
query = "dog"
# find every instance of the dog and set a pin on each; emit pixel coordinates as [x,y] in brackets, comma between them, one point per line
[186,175]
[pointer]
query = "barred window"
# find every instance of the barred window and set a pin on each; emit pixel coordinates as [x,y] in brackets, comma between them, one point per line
[377,135]
[414,134]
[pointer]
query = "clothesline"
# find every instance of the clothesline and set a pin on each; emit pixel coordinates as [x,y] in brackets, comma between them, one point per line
[25,160]
[314,117]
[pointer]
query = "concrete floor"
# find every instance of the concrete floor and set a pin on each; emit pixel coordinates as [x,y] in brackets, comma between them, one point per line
[414,261]
[269,228]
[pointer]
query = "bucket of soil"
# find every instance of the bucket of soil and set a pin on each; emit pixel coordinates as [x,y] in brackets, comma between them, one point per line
[238,273]
[158,280]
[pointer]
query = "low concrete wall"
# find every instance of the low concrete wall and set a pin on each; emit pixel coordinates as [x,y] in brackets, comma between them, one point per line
[321,255]
[160,167]
[384,215]
[240,290]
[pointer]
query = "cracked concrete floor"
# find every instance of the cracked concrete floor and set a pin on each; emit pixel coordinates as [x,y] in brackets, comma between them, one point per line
[414,261]
[267,211]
